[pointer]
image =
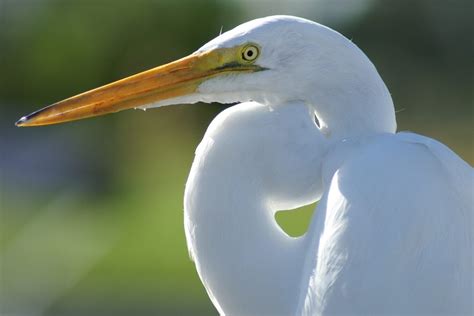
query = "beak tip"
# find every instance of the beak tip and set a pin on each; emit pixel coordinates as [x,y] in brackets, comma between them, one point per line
[21,122]
[30,119]
[27,120]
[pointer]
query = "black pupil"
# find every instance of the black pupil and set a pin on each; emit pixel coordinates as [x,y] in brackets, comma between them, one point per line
[249,53]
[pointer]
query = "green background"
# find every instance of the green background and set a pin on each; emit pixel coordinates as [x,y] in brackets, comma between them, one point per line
[91,211]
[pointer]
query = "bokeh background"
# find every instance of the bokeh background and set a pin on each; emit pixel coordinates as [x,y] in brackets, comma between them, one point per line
[91,211]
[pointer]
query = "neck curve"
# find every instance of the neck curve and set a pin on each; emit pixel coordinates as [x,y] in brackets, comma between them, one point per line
[239,251]
[354,101]
[353,114]
[248,265]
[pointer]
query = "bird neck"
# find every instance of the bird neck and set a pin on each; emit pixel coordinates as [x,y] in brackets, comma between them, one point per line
[348,95]
[346,117]
[248,265]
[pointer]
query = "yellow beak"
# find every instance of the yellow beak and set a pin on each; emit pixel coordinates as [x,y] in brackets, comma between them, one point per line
[178,78]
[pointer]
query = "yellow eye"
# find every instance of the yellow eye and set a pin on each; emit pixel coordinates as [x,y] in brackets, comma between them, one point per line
[250,53]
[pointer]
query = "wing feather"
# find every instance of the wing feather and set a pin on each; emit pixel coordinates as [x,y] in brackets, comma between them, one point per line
[393,233]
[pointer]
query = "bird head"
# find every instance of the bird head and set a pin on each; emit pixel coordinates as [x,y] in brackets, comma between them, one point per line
[271,60]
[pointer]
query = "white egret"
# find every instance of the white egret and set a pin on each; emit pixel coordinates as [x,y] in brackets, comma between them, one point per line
[392,233]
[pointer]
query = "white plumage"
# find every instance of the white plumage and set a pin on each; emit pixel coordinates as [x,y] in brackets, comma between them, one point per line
[392,233]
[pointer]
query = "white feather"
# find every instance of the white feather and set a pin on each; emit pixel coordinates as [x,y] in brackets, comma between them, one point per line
[392,233]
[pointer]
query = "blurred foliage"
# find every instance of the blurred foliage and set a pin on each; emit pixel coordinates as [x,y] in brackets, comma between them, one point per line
[91,212]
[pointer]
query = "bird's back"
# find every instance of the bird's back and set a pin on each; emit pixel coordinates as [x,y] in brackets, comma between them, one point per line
[394,231]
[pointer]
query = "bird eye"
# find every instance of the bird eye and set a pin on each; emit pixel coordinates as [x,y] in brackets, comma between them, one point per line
[250,53]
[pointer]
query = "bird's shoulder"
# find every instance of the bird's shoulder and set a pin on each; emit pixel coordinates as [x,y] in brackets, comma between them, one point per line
[397,157]
[396,212]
